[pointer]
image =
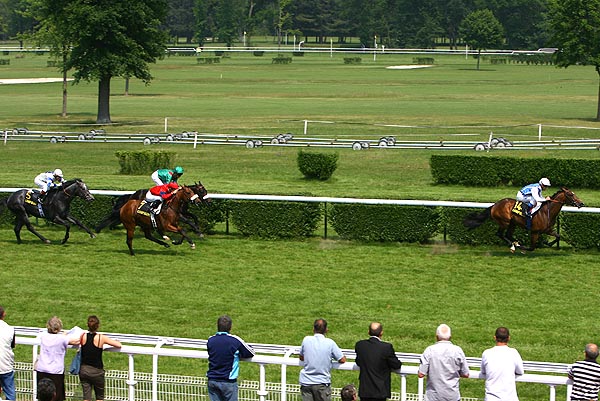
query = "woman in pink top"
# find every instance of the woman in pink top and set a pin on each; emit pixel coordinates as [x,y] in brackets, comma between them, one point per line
[51,360]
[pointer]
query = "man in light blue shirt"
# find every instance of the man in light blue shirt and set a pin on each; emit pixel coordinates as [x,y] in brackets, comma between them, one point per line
[317,356]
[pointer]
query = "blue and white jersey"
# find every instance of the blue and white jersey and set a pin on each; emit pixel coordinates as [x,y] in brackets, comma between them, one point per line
[533,191]
[224,353]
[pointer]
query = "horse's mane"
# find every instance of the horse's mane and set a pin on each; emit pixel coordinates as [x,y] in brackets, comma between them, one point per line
[560,191]
[71,182]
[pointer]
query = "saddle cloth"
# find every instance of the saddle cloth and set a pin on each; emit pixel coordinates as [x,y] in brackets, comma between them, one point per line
[519,208]
[145,208]
[32,198]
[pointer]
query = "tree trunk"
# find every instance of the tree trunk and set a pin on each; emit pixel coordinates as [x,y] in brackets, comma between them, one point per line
[64,88]
[598,108]
[103,101]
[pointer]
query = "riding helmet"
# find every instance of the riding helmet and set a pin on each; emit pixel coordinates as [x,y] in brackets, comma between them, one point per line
[58,173]
[545,182]
[179,170]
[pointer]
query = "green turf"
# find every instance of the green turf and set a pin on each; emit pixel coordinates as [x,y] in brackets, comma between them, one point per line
[275,289]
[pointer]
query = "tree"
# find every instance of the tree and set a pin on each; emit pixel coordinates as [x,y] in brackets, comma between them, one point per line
[180,19]
[575,26]
[481,30]
[110,39]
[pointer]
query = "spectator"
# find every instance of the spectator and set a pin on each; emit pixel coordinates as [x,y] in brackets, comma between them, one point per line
[586,376]
[7,358]
[46,390]
[51,361]
[91,372]
[224,353]
[444,364]
[376,360]
[348,393]
[499,366]
[317,354]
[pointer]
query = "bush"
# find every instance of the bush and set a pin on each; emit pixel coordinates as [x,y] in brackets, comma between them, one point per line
[144,162]
[384,222]
[581,230]
[317,165]
[275,219]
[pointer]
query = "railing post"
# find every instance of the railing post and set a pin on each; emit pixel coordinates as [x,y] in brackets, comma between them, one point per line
[262,384]
[420,389]
[160,343]
[552,392]
[402,387]
[131,378]
[287,354]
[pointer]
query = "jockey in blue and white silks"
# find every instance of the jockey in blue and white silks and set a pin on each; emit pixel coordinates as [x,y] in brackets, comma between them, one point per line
[531,195]
[49,179]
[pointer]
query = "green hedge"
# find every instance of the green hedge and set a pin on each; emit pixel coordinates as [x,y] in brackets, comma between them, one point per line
[384,222]
[317,165]
[275,219]
[145,161]
[582,230]
[487,170]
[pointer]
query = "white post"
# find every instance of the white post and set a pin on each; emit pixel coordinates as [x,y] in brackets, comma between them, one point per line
[330,48]
[262,384]
[295,43]
[552,393]
[131,379]
[305,126]
[166,124]
[5,136]
[402,387]
[420,389]
[539,132]
[195,139]
[466,52]
[375,49]
[287,354]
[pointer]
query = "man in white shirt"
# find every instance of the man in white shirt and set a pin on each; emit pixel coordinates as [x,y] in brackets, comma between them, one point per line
[500,366]
[7,357]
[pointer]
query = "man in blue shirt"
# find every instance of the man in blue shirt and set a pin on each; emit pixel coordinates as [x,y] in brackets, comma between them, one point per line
[224,353]
[317,354]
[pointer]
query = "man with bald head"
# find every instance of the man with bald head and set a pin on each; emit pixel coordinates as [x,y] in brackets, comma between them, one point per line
[586,376]
[444,364]
[376,360]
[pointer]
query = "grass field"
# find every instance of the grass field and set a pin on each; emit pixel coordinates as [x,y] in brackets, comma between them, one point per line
[275,289]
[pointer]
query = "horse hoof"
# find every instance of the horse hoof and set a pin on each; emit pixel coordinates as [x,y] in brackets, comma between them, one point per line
[512,249]
[47,241]
[193,246]
[166,238]
[93,235]
[167,246]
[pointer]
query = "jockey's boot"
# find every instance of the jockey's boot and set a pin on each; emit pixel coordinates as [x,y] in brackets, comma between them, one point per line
[528,218]
[42,196]
[156,207]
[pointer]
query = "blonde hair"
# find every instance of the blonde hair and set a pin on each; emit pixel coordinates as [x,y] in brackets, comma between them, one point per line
[54,325]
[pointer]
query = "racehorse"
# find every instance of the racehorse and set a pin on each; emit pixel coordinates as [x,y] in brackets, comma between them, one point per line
[541,223]
[24,203]
[114,219]
[167,220]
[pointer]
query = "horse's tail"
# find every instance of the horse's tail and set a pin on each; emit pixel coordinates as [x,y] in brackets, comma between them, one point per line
[476,219]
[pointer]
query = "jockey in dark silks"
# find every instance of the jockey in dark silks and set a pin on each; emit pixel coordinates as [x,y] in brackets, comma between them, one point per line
[165,176]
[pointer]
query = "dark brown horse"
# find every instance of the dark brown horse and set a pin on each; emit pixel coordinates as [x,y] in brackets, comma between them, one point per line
[167,220]
[542,222]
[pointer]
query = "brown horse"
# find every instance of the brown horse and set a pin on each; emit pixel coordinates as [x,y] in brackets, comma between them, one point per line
[541,223]
[167,220]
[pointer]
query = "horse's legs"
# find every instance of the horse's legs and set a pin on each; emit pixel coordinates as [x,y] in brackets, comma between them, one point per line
[22,219]
[176,229]
[80,224]
[130,232]
[192,221]
[148,235]
[556,238]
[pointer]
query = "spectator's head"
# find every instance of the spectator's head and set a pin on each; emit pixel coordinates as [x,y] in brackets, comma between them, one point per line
[348,392]
[320,326]
[502,335]
[443,332]
[45,389]
[2,312]
[591,352]
[54,325]
[375,329]
[93,323]
[224,324]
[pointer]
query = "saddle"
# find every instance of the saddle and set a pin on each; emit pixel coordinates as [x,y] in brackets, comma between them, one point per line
[32,197]
[146,209]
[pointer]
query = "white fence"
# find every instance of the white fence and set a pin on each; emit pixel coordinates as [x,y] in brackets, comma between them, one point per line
[134,385]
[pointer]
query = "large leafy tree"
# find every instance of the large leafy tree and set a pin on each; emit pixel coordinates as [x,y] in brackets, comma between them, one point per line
[576,32]
[481,30]
[180,19]
[110,39]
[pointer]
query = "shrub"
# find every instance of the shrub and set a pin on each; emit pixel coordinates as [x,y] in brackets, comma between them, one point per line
[144,162]
[275,219]
[581,230]
[317,165]
[384,222]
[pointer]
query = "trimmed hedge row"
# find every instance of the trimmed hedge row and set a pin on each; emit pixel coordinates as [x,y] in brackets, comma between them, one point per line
[384,223]
[493,171]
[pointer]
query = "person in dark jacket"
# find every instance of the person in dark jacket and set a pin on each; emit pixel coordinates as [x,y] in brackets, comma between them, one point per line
[224,353]
[376,359]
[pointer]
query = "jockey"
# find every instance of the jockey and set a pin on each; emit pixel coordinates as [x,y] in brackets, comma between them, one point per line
[531,195]
[165,176]
[160,193]
[48,180]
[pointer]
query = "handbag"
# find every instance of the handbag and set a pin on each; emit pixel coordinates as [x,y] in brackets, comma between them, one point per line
[75,364]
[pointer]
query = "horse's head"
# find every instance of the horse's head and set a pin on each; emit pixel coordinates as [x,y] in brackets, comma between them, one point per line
[187,194]
[568,197]
[76,187]
[199,190]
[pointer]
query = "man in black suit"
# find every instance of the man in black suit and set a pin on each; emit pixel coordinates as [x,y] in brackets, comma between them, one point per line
[376,360]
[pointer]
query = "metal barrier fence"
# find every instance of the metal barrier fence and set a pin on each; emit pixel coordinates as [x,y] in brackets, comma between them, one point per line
[134,385]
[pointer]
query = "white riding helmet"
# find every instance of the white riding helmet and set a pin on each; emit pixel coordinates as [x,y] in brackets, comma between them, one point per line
[58,172]
[545,182]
